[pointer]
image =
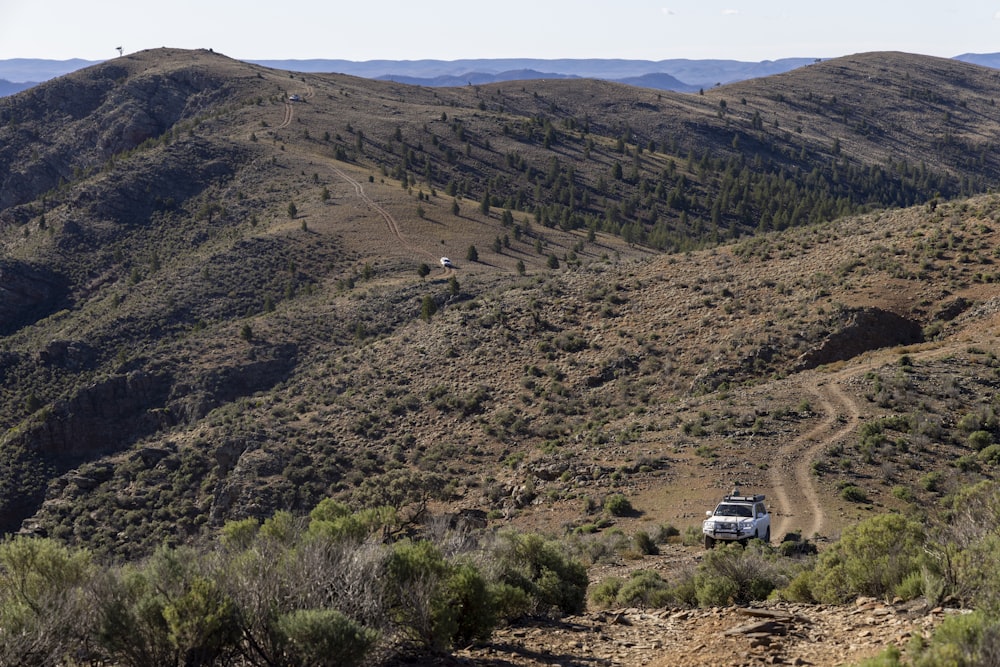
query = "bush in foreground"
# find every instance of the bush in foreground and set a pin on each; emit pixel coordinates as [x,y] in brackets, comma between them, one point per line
[334,589]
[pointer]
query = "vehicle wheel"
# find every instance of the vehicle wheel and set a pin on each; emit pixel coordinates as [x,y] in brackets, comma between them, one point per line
[767,535]
[709,542]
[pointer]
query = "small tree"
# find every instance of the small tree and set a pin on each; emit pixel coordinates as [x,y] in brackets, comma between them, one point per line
[428,308]
[292,210]
[453,287]
[246,333]
[472,255]
[423,271]
[455,208]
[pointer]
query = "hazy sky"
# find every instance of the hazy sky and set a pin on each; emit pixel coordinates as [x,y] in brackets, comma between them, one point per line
[451,29]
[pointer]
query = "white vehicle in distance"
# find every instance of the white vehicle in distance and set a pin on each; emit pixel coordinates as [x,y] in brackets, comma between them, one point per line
[737,518]
[446,263]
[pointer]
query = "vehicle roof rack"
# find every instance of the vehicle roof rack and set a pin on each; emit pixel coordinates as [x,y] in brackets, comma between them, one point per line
[745,499]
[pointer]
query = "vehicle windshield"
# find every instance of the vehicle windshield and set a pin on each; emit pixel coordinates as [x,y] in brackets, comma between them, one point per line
[733,510]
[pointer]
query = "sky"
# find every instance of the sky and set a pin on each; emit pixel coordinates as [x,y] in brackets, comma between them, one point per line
[749,30]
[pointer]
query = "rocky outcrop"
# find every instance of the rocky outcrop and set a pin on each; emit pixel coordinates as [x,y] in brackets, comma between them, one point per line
[71,355]
[102,418]
[27,294]
[192,399]
[111,415]
[952,309]
[97,420]
[862,330]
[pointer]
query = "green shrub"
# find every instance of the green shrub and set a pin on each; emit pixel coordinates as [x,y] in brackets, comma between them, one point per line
[888,658]
[799,589]
[336,522]
[716,591]
[437,604]
[665,532]
[618,505]
[871,558]
[167,608]
[240,534]
[44,607]
[967,463]
[201,622]
[853,494]
[971,546]
[911,587]
[509,602]
[965,640]
[605,593]
[466,594]
[980,440]
[644,543]
[540,569]
[903,493]
[990,455]
[731,574]
[131,629]
[932,481]
[326,637]
[645,588]
[692,536]
[685,590]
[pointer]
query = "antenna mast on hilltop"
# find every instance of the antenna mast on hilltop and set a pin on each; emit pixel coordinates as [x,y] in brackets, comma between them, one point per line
[119,49]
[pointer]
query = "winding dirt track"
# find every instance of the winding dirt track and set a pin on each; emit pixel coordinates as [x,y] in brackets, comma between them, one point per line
[797,496]
[290,107]
[359,191]
[792,479]
[390,221]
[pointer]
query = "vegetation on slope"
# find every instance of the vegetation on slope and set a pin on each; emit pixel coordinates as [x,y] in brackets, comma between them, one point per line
[210,322]
[359,588]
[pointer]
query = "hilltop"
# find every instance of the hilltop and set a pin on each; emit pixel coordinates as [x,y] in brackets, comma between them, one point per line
[219,300]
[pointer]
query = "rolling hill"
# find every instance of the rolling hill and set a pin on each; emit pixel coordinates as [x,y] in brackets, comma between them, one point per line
[217,300]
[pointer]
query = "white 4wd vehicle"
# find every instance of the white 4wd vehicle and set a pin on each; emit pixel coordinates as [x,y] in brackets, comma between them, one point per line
[737,518]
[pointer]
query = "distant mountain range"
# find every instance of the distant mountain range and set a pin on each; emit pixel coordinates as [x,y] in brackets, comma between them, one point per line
[681,75]
[984,59]
[678,75]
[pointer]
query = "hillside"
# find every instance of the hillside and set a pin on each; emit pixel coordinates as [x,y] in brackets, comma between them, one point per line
[212,306]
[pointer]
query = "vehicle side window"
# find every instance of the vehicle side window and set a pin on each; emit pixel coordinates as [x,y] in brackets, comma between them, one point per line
[759,509]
